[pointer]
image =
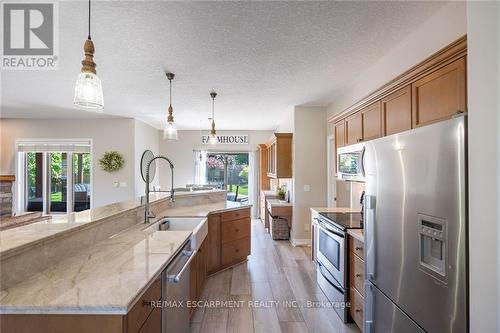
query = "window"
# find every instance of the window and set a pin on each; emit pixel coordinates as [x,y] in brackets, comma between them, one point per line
[55,177]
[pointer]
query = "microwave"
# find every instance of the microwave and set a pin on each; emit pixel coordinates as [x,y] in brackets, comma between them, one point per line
[350,162]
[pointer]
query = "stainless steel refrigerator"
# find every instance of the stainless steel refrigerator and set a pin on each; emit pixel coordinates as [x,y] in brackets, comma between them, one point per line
[416,230]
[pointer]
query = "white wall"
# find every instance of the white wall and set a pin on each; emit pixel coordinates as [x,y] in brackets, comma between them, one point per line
[106,134]
[309,167]
[181,153]
[484,164]
[443,28]
[146,137]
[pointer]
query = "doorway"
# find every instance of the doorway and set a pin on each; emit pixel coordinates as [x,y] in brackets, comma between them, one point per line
[229,171]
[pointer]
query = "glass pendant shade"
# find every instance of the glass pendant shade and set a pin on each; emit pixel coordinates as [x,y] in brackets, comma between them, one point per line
[88,92]
[170,131]
[213,139]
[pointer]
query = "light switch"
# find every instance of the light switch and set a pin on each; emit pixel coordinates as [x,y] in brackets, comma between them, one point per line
[307,188]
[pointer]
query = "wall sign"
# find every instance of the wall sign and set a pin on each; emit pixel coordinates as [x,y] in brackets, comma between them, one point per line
[227,139]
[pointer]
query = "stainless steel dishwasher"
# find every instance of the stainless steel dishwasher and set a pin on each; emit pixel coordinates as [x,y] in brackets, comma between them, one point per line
[175,291]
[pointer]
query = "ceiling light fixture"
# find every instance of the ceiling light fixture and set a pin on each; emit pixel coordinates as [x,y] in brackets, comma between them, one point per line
[88,89]
[170,130]
[213,133]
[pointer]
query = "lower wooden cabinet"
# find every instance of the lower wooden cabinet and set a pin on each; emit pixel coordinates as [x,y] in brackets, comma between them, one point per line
[153,323]
[214,243]
[356,280]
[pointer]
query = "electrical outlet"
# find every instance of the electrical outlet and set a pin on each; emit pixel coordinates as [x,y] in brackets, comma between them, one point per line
[307,188]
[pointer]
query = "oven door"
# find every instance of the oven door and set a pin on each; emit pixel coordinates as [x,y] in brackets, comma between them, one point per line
[331,251]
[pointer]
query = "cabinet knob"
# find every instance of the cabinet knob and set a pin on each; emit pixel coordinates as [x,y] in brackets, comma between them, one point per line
[357,275]
[358,310]
[358,248]
[237,230]
[237,250]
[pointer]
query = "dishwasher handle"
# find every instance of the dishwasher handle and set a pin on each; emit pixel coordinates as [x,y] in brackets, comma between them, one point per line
[176,278]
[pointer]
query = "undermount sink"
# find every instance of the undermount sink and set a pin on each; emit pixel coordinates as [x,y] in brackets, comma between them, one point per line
[198,225]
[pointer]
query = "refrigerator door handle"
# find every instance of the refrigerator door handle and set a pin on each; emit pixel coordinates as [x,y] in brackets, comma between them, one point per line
[369,217]
[368,323]
[363,162]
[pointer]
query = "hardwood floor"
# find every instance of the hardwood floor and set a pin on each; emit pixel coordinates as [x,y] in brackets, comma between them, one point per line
[267,293]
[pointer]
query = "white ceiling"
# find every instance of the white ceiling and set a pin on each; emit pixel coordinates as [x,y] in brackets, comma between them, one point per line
[261,57]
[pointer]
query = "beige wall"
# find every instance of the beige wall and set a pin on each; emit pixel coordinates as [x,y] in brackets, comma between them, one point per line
[484,164]
[309,168]
[106,135]
[146,137]
[444,27]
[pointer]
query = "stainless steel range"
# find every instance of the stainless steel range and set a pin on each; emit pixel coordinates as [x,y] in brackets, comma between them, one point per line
[331,256]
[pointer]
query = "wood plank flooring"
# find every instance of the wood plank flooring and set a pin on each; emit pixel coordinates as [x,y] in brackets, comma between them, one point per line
[276,279]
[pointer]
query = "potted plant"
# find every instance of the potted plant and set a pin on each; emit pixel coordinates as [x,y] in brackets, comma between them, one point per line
[281,191]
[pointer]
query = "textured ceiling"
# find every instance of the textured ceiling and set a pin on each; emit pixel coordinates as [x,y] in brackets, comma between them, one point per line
[261,57]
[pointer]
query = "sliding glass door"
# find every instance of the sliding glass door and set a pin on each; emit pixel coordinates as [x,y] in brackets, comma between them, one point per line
[57,182]
[229,171]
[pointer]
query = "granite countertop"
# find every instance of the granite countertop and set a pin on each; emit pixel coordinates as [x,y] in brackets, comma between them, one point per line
[16,239]
[357,234]
[279,203]
[108,277]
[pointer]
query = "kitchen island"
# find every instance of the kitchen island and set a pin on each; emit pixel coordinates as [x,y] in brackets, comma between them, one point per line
[104,282]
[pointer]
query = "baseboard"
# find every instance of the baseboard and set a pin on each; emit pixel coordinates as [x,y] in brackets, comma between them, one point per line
[300,242]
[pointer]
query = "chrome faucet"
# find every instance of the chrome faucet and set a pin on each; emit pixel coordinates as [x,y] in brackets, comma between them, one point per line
[148,213]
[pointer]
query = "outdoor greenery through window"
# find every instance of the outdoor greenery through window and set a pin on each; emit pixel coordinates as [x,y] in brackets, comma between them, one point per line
[230,172]
[60,174]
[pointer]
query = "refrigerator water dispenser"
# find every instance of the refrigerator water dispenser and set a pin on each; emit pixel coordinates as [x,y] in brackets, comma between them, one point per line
[432,245]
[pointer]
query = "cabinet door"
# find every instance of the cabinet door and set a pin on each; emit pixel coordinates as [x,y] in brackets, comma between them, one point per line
[396,111]
[439,95]
[371,121]
[153,324]
[214,244]
[201,272]
[340,134]
[354,129]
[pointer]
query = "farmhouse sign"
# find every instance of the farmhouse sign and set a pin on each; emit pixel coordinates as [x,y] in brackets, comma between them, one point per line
[227,139]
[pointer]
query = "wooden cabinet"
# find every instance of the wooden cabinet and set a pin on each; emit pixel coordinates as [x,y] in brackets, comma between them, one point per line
[371,122]
[434,90]
[228,239]
[142,309]
[439,95]
[356,280]
[396,111]
[280,155]
[353,129]
[339,129]
[264,182]
[153,323]
[214,243]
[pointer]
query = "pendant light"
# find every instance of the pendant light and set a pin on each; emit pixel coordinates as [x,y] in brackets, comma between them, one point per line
[88,89]
[213,133]
[170,129]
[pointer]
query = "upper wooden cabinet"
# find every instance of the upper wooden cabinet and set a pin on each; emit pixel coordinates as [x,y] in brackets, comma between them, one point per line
[279,152]
[439,95]
[264,183]
[340,134]
[431,91]
[371,122]
[396,111]
[353,129]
